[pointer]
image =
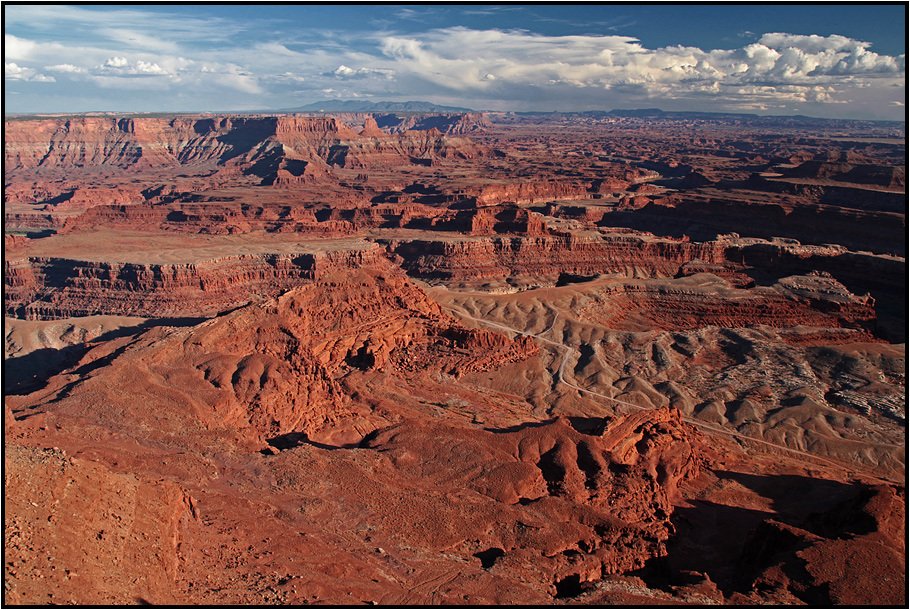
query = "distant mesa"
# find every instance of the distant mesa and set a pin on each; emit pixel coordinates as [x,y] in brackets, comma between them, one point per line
[694,180]
[364,106]
[638,112]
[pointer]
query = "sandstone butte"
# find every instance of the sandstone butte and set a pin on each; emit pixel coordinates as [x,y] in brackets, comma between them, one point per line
[478,359]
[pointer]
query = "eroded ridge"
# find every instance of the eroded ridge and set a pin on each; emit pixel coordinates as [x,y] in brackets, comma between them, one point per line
[454,358]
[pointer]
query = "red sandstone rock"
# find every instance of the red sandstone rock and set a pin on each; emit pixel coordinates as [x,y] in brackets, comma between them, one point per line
[854,555]
[329,434]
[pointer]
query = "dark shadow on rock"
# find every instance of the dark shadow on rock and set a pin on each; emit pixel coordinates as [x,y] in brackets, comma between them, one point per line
[793,497]
[592,426]
[26,374]
[291,440]
[520,427]
[246,135]
[568,587]
[712,538]
[488,558]
[709,539]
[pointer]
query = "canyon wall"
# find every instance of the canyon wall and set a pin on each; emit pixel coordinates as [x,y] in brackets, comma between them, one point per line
[55,287]
[276,149]
[548,257]
[52,288]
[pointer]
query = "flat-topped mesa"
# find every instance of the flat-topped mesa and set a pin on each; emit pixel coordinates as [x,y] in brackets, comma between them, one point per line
[879,271]
[450,124]
[58,144]
[312,125]
[852,172]
[794,303]
[76,142]
[527,191]
[39,288]
[370,149]
[507,219]
[371,129]
[215,218]
[51,146]
[546,258]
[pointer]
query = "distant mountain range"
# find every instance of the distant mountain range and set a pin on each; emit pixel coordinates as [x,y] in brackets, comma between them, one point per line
[747,118]
[790,120]
[364,106]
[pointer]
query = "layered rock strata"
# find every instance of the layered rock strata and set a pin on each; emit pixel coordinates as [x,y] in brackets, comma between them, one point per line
[270,367]
[138,143]
[545,258]
[49,288]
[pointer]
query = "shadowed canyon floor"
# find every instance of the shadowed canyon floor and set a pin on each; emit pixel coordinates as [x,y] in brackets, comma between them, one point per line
[454,359]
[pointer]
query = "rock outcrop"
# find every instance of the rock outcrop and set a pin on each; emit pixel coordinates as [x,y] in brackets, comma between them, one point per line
[270,366]
[48,288]
[452,124]
[545,258]
[705,300]
[261,146]
[853,554]
[592,358]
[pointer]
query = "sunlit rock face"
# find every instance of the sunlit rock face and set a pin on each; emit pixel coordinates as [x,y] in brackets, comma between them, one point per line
[467,359]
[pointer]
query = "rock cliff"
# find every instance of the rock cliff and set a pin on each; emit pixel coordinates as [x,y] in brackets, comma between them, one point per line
[588,358]
[271,367]
[545,258]
[260,146]
[49,288]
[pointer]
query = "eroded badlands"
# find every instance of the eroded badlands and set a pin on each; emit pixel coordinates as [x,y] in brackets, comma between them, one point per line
[458,359]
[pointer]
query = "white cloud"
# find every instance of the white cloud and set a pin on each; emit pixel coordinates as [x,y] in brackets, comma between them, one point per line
[246,83]
[343,70]
[345,73]
[116,62]
[861,61]
[131,27]
[13,71]
[504,64]
[134,39]
[813,44]
[65,68]
[121,66]
[276,48]
[145,50]
[144,67]
[17,48]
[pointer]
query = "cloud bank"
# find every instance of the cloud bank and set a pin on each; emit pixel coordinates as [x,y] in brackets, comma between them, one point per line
[132,51]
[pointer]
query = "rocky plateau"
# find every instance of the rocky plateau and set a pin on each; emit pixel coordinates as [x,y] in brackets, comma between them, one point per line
[458,359]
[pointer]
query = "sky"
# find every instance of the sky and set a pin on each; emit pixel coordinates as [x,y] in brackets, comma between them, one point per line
[825,60]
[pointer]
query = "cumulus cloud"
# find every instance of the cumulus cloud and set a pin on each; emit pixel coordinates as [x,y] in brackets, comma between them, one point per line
[65,68]
[17,48]
[861,61]
[145,67]
[489,68]
[782,66]
[116,62]
[813,44]
[345,73]
[13,71]
[121,66]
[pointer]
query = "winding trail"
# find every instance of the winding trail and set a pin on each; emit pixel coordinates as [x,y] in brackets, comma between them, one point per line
[561,378]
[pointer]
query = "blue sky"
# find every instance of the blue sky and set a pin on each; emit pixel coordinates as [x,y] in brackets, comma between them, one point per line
[827,60]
